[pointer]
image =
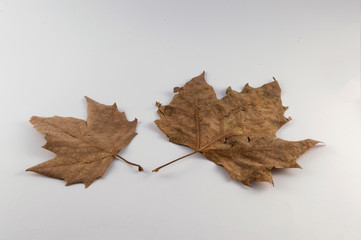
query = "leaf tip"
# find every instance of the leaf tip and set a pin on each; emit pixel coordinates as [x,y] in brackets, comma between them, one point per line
[31,169]
[297,166]
[229,90]
[315,142]
[176,89]
[246,183]
[89,100]
[272,182]
[201,76]
[33,119]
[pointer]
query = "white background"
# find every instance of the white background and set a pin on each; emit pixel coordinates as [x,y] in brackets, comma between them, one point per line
[53,53]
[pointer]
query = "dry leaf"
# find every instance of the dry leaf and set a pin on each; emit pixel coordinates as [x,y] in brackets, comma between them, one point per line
[84,149]
[237,132]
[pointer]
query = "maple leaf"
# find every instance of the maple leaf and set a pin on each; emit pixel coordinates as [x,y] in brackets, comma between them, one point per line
[84,149]
[237,132]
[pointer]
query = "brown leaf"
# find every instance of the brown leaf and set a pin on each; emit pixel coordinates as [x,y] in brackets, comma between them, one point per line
[84,149]
[237,132]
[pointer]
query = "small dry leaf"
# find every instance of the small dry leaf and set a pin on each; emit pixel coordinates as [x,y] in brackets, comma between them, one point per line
[237,132]
[84,149]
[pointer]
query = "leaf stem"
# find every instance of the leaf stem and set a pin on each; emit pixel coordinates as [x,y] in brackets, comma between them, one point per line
[158,168]
[139,167]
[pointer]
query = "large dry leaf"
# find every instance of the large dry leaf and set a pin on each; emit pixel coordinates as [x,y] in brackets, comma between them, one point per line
[84,149]
[237,132]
